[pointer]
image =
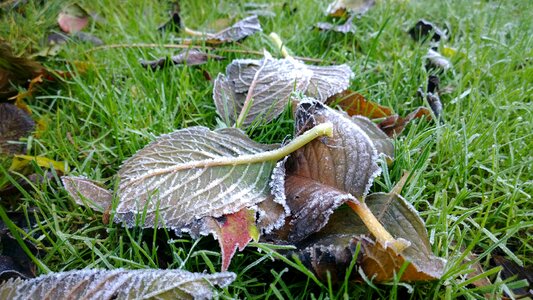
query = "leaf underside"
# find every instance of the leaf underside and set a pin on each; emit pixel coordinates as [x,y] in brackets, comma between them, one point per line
[86,192]
[237,31]
[273,81]
[177,179]
[117,284]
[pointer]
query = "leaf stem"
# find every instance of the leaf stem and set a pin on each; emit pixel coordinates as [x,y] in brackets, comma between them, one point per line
[249,96]
[376,229]
[281,47]
[273,155]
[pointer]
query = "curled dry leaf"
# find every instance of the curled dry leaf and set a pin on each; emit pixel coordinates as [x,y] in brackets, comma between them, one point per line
[437,61]
[394,125]
[86,192]
[73,18]
[191,57]
[330,171]
[424,29]
[346,27]
[234,33]
[14,124]
[254,90]
[194,179]
[117,284]
[355,104]
[339,8]
[15,71]
[338,240]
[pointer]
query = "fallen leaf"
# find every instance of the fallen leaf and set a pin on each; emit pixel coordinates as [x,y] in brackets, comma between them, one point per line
[330,171]
[345,229]
[355,104]
[437,61]
[15,124]
[394,125]
[346,27]
[234,231]
[424,30]
[174,23]
[19,98]
[87,37]
[189,57]
[339,8]
[73,18]
[513,270]
[117,284]
[86,192]
[185,179]
[234,33]
[432,95]
[22,161]
[255,90]
[15,71]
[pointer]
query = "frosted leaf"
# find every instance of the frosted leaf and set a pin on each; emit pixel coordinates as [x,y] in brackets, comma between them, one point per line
[237,31]
[347,161]
[190,174]
[345,229]
[383,143]
[117,284]
[271,82]
[86,192]
[339,7]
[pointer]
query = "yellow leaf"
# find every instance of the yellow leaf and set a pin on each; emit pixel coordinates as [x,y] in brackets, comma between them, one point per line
[21,161]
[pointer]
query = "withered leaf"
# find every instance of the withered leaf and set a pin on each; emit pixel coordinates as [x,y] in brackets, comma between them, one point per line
[355,104]
[511,269]
[191,57]
[432,95]
[174,23]
[234,33]
[268,83]
[394,125]
[14,125]
[86,192]
[339,8]
[424,29]
[190,174]
[20,162]
[437,61]
[73,18]
[117,284]
[345,229]
[15,71]
[327,172]
[346,27]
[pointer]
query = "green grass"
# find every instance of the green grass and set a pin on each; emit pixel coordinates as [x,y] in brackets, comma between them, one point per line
[471,174]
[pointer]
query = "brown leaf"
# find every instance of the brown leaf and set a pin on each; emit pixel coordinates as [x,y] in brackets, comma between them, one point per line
[73,18]
[14,124]
[355,104]
[191,57]
[345,229]
[234,33]
[394,125]
[15,71]
[512,269]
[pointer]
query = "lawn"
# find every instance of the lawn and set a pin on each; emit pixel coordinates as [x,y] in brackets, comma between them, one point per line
[471,173]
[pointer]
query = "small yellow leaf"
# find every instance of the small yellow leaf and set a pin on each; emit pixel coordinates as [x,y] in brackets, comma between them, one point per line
[449,51]
[21,161]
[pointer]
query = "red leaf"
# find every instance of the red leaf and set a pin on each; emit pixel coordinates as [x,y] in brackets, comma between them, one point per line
[73,18]
[355,104]
[395,124]
[236,231]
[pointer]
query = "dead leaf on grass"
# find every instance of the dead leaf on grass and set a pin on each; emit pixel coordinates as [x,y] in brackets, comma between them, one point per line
[14,124]
[511,269]
[424,29]
[86,192]
[117,284]
[191,57]
[234,33]
[20,162]
[339,8]
[346,27]
[394,125]
[255,90]
[174,23]
[355,104]
[436,61]
[15,71]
